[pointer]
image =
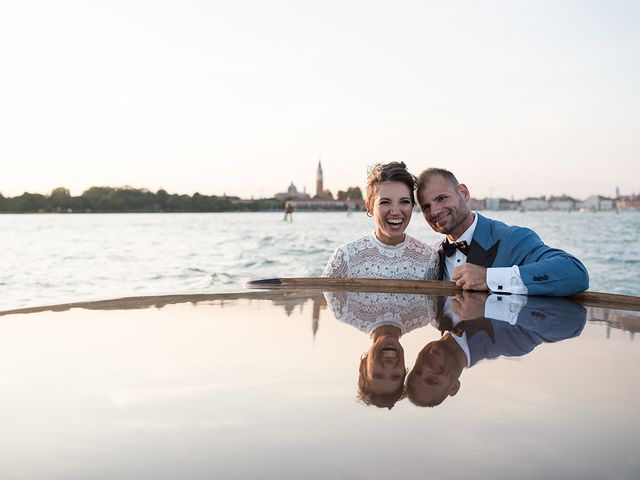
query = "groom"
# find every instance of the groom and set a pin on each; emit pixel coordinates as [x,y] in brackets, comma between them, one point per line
[484,254]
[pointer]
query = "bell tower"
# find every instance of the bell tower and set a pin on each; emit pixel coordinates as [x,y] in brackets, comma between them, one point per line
[319,181]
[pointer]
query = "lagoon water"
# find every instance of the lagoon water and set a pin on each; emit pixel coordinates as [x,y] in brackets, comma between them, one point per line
[263,385]
[50,259]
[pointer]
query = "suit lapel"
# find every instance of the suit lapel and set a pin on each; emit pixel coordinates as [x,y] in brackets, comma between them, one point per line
[478,255]
[471,327]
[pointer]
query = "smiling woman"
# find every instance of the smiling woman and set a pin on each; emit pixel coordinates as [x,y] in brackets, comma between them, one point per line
[392,209]
[390,200]
[387,252]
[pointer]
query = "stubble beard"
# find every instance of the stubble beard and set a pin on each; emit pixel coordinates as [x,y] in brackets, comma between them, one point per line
[457,217]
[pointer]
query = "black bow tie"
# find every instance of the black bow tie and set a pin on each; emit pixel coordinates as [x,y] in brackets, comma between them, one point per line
[450,248]
[470,327]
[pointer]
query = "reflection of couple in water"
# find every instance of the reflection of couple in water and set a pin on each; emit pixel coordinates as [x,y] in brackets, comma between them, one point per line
[468,335]
[478,253]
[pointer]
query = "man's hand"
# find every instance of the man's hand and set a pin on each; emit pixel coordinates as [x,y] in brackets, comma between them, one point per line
[470,277]
[469,305]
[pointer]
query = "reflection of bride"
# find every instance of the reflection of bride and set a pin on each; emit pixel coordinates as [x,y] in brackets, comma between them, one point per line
[385,317]
[367,311]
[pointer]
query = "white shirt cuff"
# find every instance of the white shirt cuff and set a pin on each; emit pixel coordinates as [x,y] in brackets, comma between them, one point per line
[504,307]
[505,280]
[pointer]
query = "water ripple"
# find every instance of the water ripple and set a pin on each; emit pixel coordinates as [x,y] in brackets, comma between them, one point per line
[60,258]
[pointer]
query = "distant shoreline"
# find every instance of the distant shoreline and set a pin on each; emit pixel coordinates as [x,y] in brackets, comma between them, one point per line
[278,211]
[131,200]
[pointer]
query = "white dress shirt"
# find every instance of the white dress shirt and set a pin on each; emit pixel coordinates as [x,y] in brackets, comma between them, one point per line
[499,279]
[504,308]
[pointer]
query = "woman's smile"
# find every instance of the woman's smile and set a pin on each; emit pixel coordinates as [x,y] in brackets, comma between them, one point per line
[395,223]
[392,212]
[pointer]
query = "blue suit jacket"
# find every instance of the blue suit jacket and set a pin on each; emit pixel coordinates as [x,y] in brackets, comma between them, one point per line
[542,320]
[544,270]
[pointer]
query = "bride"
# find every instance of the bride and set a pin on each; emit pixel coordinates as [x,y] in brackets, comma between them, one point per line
[387,252]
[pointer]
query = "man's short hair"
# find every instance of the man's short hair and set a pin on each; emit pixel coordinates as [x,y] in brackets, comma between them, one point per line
[429,173]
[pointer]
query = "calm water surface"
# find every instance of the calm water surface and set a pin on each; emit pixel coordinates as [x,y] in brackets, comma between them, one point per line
[49,259]
[264,386]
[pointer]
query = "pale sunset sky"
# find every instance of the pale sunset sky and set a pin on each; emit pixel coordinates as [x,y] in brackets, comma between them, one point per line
[517,98]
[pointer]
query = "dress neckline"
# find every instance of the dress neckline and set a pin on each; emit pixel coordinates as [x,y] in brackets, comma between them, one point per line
[385,245]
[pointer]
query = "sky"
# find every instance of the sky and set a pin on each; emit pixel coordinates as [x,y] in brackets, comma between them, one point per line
[517,98]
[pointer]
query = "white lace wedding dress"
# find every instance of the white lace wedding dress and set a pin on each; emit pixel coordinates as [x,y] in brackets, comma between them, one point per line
[368,257]
[367,311]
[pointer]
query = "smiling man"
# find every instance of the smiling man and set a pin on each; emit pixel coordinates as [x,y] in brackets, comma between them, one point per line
[483,254]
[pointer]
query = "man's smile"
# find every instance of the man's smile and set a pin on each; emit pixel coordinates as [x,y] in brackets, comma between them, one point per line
[440,219]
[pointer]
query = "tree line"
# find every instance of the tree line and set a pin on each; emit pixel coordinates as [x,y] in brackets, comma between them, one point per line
[351,193]
[127,199]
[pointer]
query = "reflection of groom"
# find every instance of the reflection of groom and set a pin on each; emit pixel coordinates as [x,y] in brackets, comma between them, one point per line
[484,254]
[470,337]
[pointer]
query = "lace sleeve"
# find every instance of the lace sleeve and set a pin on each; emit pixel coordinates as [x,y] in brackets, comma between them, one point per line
[337,302]
[337,265]
[433,266]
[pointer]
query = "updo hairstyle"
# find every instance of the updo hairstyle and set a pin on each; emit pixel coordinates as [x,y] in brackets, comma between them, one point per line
[388,172]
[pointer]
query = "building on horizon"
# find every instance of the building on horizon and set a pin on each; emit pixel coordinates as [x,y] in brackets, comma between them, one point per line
[534,204]
[323,200]
[292,193]
[501,204]
[321,193]
[628,202]
[319,180]
[597,203]
[563,203]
